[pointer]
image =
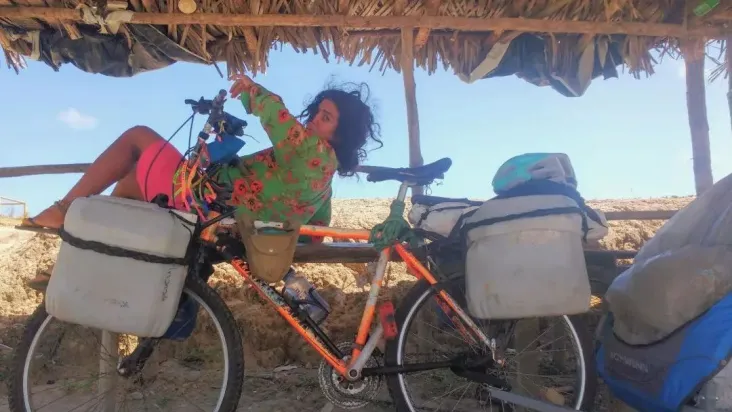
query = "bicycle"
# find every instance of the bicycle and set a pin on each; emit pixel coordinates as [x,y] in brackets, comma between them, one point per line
[351,373]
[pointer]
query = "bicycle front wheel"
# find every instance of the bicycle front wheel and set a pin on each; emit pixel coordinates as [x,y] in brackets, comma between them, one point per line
[59,366]
[550,359]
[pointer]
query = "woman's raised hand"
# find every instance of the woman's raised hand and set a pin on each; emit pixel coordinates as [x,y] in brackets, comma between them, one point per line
[242,82]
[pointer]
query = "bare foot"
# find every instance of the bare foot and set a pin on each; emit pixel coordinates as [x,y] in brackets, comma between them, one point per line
[52,217]
[40,282]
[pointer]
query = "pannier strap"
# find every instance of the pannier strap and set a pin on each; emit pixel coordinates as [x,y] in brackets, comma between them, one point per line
[108,250]
[548,187]
[533,213]
[427,212]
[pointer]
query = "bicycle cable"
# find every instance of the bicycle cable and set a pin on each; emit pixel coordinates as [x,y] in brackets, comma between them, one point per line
[149,169]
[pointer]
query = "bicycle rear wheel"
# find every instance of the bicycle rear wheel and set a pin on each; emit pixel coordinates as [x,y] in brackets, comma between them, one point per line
[172,377]
[525,351]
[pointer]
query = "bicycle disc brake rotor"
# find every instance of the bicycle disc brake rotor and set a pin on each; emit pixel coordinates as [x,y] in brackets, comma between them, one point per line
[344,394]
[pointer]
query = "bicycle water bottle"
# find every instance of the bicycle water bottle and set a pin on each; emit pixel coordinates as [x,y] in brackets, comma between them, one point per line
[299,293]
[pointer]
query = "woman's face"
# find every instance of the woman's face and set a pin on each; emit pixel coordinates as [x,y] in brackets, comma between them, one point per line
[325,122]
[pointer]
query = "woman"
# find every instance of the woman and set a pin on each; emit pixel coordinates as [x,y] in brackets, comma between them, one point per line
[292,179]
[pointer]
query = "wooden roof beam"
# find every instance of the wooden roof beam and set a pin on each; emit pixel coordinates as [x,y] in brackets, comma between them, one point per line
[387,22]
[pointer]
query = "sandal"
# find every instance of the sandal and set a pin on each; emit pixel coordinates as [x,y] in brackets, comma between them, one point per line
[29,224]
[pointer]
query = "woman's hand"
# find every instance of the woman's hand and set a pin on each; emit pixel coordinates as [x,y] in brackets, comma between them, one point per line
[242,83]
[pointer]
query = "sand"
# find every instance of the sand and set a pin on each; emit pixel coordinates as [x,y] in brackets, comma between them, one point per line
[268,342]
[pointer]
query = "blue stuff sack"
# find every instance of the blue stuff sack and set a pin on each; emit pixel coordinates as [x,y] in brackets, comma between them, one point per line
[665,376]
[224,150]
[185,320]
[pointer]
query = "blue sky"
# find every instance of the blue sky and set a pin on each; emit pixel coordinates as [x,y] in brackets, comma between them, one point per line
[626,137]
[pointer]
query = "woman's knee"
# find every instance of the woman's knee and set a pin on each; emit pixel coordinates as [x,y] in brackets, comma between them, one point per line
[141,137]
[127,187]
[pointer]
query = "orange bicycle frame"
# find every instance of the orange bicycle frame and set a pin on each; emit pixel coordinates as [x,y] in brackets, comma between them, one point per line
[362,349]
[188,179]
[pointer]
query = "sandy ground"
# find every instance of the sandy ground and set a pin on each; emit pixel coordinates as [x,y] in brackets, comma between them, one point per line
[268,342]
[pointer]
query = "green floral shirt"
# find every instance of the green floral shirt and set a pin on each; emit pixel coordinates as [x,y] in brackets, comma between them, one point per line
[290,180]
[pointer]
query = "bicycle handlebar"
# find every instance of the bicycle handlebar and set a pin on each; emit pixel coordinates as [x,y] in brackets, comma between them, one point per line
[223,150]
[218,121]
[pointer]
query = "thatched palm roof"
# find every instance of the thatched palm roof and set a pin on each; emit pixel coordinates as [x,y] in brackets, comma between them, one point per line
[124,37]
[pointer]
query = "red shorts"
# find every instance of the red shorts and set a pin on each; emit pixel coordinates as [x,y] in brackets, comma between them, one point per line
[156,169]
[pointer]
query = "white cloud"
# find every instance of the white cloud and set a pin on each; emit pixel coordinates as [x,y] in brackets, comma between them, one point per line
[77,120]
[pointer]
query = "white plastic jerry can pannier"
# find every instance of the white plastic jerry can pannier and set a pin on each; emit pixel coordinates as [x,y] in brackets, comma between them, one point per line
[121,266]
[525,258]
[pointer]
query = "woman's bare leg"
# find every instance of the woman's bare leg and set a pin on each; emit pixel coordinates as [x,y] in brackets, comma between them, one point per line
[114,164]
[128,188]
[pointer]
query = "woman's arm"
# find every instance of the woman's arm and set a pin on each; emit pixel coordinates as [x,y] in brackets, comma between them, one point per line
[285,132]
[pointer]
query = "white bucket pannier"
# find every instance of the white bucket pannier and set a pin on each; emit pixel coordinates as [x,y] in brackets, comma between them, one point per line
[134,286]
[525,258]
[440,218]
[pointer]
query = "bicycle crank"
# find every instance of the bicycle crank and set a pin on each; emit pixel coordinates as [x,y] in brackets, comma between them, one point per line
[346,394]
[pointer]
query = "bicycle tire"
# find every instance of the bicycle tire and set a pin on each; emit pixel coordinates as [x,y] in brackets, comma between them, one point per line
[194,286]
[421,291]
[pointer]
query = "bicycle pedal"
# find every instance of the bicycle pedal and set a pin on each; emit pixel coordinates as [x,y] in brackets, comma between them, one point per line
[388,320]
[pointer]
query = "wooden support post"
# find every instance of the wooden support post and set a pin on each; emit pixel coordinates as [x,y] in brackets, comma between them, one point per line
[696,106]
[43,170]
[410,92]
[728,53]
[526,342]
[108,358]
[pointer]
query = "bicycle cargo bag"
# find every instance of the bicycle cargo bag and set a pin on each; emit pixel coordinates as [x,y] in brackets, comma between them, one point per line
[121,266]
[440,218]
[269,251]
[691,366]
[524,258]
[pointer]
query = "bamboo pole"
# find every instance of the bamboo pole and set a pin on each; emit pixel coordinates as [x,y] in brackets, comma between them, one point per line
[463,24]
[410,93]
[694,56]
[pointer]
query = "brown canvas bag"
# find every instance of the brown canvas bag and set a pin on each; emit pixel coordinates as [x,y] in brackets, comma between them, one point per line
[269,252]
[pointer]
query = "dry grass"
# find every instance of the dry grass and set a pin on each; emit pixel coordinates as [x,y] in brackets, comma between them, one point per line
[268,340]
[248,48]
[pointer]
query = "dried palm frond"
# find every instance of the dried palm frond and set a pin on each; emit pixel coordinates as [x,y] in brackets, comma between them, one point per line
[248,48]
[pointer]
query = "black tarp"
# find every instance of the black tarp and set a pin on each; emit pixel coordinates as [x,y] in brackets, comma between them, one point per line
[112,55]
[539,59]
[530,57]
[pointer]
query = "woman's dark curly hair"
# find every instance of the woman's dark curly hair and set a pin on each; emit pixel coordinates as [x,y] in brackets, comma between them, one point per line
[356,124]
